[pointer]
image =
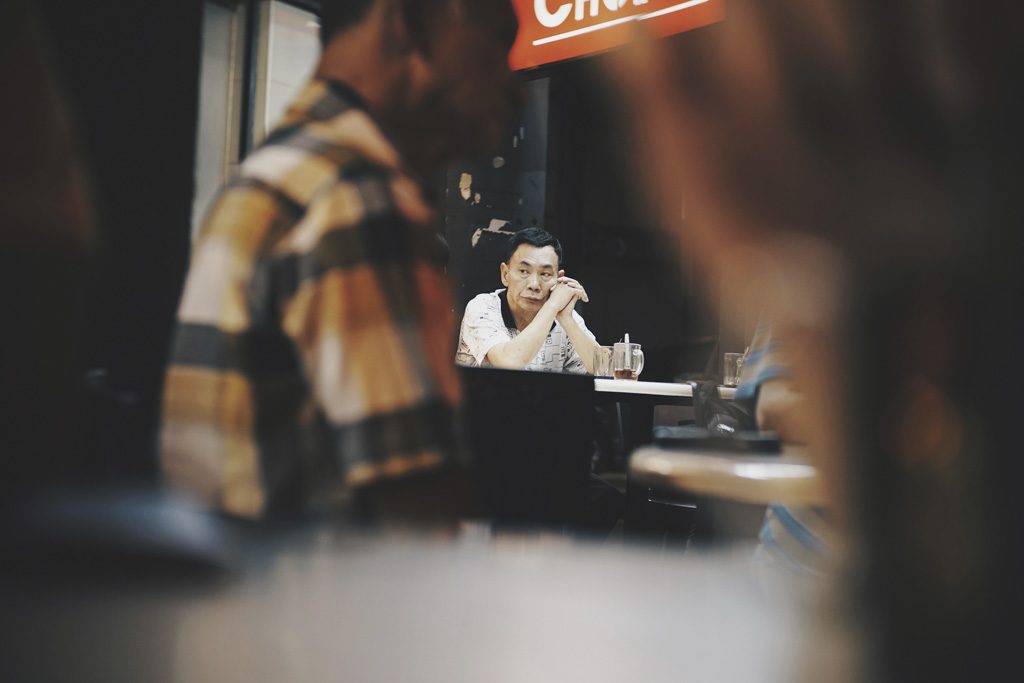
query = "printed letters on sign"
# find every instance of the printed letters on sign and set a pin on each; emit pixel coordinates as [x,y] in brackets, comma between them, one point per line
[557,18]
[554,30]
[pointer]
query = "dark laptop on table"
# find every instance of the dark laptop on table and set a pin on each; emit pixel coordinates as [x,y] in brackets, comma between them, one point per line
[531,434]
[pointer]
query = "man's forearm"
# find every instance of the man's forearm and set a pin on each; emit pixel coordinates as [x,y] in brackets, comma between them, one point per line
[517,353]
[585,346]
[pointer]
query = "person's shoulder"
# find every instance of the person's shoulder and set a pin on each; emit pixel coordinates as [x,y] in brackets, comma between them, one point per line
[331,121]
[484,301]
[484,307]
[314,147]
[292,168]
[357,168]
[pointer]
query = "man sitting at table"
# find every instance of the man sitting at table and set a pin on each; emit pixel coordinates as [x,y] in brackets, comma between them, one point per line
[531,323]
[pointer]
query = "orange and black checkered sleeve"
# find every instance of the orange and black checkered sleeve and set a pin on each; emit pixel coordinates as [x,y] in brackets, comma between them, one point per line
[314,337]
[367,304]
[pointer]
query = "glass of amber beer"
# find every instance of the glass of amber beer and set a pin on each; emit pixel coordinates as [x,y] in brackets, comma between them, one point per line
[627,360]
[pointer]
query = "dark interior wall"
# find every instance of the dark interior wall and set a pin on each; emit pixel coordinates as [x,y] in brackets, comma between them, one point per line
[44,234]
[507,192]
[637,280]
[572,174]
[129,72]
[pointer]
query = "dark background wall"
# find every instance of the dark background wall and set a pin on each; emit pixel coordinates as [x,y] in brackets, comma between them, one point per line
[505,192]
[129,74]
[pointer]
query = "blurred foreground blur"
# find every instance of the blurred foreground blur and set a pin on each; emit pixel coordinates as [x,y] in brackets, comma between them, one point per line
[853,168]
[312,605]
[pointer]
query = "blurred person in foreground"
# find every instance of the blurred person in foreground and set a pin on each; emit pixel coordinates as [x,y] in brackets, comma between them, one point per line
[794,541]
[854,168]
[47,231]
[312,354]
[532,324]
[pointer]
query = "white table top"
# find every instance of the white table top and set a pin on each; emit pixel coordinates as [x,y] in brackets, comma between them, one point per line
[533,609]
[787,478]
[623,386]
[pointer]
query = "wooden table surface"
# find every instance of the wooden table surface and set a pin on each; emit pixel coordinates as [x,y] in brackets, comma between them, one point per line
[763,479]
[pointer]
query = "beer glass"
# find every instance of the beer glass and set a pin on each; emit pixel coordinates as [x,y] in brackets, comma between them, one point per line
[603,361]
[627,360]
[732,364]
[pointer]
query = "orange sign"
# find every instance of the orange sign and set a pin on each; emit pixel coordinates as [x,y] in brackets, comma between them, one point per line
[553,30]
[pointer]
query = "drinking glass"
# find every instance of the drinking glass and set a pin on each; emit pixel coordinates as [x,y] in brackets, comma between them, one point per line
[732,366]
[603,361]
[627,361]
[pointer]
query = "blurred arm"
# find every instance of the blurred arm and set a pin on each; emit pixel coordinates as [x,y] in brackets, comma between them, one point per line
[582,340]
[780,409]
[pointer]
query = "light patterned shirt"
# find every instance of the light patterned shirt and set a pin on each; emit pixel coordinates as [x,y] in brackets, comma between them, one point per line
[488,322]
[313,344]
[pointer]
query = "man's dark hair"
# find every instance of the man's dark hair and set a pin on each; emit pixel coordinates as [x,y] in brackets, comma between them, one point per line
[536,237]
[336,15]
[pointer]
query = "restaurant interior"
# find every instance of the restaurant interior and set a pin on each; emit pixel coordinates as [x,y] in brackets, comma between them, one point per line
[848,172]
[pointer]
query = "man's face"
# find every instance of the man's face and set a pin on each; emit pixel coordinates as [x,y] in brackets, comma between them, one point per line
[474,92]
[528,275]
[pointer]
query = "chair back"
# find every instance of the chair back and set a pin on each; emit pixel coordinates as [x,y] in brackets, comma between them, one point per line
[532,435]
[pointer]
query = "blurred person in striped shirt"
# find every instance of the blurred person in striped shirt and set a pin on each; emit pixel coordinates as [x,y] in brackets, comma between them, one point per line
[792,539]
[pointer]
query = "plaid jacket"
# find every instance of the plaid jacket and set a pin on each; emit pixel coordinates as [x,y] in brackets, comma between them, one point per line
[314,340]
